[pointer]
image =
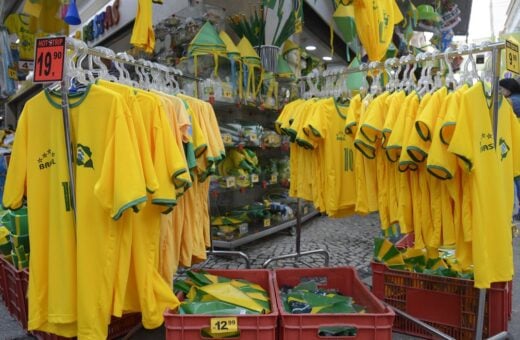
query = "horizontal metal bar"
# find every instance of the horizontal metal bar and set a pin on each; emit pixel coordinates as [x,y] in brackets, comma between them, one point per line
[426,57]
[96,53]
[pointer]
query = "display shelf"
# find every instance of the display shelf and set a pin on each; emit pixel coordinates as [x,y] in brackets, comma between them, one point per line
[261,234]
[219,190]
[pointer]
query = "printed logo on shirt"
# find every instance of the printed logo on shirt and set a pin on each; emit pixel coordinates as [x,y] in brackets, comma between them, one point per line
[504,149]
[46,159]
[486,142]
[84,156]
[341,136]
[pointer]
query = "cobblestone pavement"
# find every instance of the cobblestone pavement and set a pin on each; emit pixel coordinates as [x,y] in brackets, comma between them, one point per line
[349,242]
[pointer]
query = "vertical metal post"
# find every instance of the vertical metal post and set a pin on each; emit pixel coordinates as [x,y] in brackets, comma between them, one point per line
[68,140]
[298,226]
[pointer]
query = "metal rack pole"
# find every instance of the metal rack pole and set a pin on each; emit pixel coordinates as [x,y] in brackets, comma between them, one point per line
[298,253]
[68,140]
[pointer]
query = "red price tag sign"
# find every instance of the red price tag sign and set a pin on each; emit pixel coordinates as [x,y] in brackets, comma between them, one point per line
[49,60]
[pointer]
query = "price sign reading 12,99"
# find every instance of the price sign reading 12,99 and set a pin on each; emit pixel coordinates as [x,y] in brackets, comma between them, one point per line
[49,59]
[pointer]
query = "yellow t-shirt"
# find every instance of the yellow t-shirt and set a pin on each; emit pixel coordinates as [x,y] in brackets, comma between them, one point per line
[25,27]
[143,35]
[364,167]
[395,103]
[375,21]
[372,128]
[328,124]
[172,224]
[491,170]
[70,288]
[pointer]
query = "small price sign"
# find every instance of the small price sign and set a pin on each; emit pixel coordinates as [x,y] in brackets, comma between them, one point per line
[223,325]
[227,91]
[305,210]
[267,222]
[274,179]
[227,139]
[26,65]
[230,182]
[254,178]
[49,59]
[512,57]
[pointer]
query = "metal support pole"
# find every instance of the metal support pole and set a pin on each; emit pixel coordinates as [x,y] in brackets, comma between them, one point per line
[298,253]
[68,141]
[429,328]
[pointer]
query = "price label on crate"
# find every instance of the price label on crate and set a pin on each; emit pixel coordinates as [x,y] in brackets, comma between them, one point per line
[512,56]
[230,182]
[223,325]
[26,65]
[267,222]
[227,139]
[11,72]
[274,179]
[49,59]
[254,178]
[227,90]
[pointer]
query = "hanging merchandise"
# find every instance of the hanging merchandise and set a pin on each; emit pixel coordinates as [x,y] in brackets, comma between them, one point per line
[7,82]
[143,35]
[344,19]
[415,154]
[162,145]
[375,22]
[252,71]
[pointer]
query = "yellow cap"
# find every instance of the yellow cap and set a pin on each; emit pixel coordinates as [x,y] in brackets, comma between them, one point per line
[288,46]
[231,48]
[247,52]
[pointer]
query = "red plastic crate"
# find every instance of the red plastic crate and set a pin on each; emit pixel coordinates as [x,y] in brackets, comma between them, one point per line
[376,323]
[14,298]
[3,291]
[407,241]
[251,327]
[448,304]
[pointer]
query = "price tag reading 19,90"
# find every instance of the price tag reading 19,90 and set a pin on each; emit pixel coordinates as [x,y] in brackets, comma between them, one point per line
[49,59]
[224,325]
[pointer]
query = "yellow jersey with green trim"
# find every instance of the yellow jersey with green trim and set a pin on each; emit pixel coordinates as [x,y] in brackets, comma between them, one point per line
[143,35]
[375,21]
[474,144]
[364,168]
[337,155]
[372,129]
[67,285]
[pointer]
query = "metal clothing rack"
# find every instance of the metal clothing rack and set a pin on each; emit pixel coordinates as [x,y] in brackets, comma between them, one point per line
[495,49]
[298,253]
[80,46]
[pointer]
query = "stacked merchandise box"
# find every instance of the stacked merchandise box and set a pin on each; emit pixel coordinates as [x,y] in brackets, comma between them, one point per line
[375,323]
[251,327]
[448,304]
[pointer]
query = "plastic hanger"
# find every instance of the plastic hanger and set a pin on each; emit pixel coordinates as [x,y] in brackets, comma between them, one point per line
[410,82]
[104,72]
[79,72]
[403,81]
[389,64]
[450,77]
[364,87]
[375,88]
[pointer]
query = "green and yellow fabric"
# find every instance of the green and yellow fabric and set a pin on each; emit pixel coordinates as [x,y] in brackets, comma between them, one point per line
[207,42]
[234,57]
[344,17]
[250,62]
[282,69]
[375,21]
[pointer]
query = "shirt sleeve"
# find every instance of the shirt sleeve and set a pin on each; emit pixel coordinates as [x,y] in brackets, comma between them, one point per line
[15,183]
[462,142]
[121,183]
[136,119]
[317,122]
